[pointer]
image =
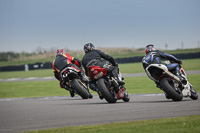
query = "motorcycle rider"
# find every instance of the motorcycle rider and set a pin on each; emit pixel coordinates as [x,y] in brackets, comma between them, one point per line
[62,61]
[154,56]
[93,57]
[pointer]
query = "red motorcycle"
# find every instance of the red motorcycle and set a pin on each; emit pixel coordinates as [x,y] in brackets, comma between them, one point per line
[107,86]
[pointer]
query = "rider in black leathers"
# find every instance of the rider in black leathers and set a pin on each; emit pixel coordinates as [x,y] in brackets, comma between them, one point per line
[93,57]
[154,56]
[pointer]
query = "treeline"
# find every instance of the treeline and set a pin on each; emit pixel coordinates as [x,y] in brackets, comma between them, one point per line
[49,54]
[41,53]
[14,56]
[10,56]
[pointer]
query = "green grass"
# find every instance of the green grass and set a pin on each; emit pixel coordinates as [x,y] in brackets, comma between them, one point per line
[24,74]
[31,89]
[141,85]
[193,64]
[134,85]
[186,124]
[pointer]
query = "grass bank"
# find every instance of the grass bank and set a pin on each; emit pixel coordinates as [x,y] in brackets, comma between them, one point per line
[187,124]
[49,56]
[134,85]
[193,64]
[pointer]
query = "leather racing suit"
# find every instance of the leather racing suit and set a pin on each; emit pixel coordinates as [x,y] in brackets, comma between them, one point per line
[155,57]
[63,61]
[94,58]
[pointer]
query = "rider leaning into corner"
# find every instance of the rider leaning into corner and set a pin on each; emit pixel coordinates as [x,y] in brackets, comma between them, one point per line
[93,57]
[62,61]
[154,56]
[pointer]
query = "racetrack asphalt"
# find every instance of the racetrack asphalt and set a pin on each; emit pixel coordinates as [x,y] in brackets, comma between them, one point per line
[25,114]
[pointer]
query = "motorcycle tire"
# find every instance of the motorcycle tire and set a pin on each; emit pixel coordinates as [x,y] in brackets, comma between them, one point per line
[194,95]
[80,89]
[126,96]
[167,86]
[101,85]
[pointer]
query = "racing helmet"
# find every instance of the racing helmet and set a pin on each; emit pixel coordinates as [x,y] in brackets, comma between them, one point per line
[60,52]
[88,47]
[149,48]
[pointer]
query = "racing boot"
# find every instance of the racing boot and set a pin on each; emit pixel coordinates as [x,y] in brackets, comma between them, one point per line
[158,85]
[66,87]
[72,93]
[70,90]
[183,80]
[178,74]
[90,95]
[93,87]
[82,76]
[100,95]
[117,78]
[121,82]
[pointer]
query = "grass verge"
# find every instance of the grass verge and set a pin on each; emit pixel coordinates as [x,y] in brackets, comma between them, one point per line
[134,85]
[187,124]
[193,64]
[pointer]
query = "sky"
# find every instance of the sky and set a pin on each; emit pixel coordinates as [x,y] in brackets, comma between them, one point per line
[26,25]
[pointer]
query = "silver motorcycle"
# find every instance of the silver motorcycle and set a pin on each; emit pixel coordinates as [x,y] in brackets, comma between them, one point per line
[170,83]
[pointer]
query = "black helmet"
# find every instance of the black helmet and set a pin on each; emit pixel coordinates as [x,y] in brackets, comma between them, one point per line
[88,47]
[149,48]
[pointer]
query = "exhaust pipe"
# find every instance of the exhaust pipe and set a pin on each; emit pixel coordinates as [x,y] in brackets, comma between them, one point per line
[172,76]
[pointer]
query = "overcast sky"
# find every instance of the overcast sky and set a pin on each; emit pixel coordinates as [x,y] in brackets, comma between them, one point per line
[28,24]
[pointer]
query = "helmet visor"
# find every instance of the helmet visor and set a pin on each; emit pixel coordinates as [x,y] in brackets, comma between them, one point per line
[149,48]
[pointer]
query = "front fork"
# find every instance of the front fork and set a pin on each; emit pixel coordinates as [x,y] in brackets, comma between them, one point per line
[118,89]
[186,91]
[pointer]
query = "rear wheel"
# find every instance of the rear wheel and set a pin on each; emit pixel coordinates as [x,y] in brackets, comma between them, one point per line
[102,85]
[168,87]
[194,95]
[80,88]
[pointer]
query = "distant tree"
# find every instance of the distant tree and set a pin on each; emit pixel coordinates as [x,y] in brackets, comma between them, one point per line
[39,50]
[8,56]
[53,49]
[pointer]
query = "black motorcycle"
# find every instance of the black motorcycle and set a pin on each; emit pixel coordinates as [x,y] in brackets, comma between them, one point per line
[72,79]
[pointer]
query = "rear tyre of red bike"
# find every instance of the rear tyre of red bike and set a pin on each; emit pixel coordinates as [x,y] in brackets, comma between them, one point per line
[102,86]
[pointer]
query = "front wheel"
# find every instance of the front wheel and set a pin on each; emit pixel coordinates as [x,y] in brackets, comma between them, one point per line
[168,87]
[80,88]
[194,95]
[103,87]
[126,96]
